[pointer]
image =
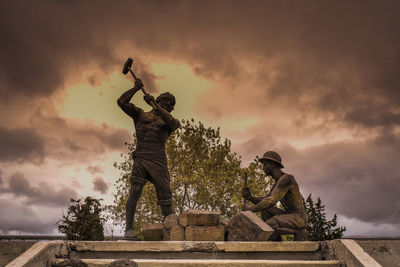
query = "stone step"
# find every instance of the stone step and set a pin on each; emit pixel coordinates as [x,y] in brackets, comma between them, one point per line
[195,250]
[169,246]
[187,253]
[194,263]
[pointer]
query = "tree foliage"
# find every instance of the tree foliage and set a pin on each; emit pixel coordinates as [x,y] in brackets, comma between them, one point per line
[83,221]
[319,228]
[205,174]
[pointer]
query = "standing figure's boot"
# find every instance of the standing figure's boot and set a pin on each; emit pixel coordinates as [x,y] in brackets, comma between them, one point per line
[131,235]
[166,210]
[166,207]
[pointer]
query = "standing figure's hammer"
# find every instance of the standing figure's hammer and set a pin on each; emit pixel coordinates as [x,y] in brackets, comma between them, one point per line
[128,68]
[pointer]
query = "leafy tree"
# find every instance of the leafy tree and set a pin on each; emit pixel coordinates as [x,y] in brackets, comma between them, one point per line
[319,228]
[205,174]
[83,221]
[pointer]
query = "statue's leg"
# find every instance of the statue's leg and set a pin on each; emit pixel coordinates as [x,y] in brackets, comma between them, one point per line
[135,192]
[271,212]
[287,224]
[159,176]
[276,236]
[164,196]
[166,206]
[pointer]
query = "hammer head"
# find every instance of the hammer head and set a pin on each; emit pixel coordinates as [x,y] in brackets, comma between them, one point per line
[127,66]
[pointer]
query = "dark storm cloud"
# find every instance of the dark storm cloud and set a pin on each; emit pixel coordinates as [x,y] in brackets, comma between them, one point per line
[327,57]
[21,145]
[44,45]
[354,179]
[44,194]
[332,57]
[69,139]
[59,138]
[374,116]
[100,185]
[49,41]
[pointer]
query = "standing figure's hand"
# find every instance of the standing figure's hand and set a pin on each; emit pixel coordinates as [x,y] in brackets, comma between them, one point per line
[138,84]
[149,99]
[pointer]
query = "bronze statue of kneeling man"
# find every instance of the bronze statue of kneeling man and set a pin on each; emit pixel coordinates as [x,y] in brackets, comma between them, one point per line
[290,220]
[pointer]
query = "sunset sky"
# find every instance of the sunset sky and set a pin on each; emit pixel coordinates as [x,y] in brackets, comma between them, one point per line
[317,81]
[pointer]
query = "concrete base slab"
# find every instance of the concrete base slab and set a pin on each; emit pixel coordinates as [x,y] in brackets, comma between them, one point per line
[180,246]
[216,263]
[196,250]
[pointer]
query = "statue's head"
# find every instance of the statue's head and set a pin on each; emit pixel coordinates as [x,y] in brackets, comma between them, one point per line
[167,101]
[270,161]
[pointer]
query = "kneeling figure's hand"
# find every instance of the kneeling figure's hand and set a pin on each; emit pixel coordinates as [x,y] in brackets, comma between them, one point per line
[246,193]
[245,207]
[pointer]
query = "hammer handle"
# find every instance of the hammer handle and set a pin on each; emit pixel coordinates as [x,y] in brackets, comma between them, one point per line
[133,74]
[144,91]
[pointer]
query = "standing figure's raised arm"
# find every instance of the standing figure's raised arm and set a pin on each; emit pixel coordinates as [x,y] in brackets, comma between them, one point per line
[124,100]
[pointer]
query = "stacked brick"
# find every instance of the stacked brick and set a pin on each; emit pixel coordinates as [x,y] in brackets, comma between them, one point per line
[201,225]
[191,225]
[172,230]
[153,232]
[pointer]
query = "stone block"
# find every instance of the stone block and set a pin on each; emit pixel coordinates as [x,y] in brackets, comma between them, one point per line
[199,218]
[174,233]
[153,232]
[171,220]
[247,226]
[205,233]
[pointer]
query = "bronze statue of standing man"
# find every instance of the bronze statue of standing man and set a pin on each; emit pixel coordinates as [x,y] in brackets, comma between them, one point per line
[150,162]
